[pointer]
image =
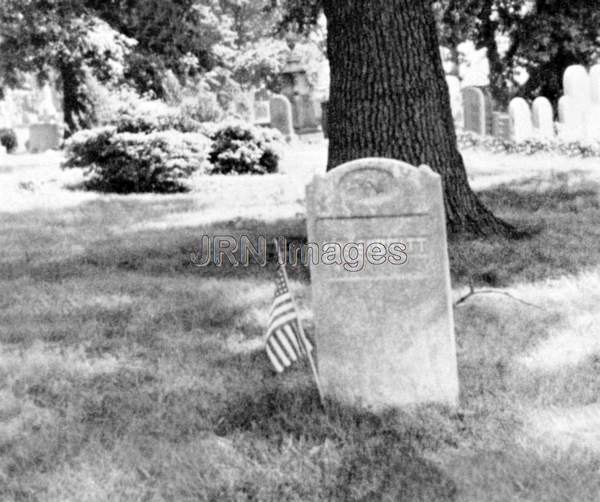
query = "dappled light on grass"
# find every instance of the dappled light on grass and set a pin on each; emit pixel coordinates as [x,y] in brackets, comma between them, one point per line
[127,372]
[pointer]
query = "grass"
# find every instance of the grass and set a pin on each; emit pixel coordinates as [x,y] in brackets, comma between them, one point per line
[126,373]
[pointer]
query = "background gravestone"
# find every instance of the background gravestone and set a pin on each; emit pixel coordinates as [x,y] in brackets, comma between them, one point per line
[520,120]
[474,110]
[595,83]
[570,118]
[281,115]
[501,125]
[542,117]
[44,137]
[455,99]
[384,333]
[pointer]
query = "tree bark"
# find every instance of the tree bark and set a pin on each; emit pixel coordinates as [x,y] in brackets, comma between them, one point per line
[75,111]
[389,98]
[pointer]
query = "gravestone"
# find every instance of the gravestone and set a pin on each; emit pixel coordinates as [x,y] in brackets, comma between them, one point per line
[571,119]
[455,99]
[281,115]
[520,120]
[595,83]
[501,125]
[384,332]
[46,109]
[542,117]
[44,137]
[474,110]
[261,107]
[576,84]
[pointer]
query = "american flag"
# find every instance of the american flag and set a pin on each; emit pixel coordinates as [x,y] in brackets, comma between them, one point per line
[286,341]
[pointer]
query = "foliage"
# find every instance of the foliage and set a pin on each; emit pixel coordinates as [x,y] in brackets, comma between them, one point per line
[260,63]
[136,162]
[550,38]
[544,38]
[467,139]
[239,148]
[200,108]
[62,36]
[8,139]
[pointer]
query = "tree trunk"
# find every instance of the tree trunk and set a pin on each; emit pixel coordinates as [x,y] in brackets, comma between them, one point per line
[75,111]
[487,39]
[389,98]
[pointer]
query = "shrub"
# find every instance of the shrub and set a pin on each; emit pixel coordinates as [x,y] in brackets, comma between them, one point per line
[8,139]
[239,148]
[202,108]
[468,139]
[134,162]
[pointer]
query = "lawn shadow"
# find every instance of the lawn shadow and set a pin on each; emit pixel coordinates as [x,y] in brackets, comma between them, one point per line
[380,455]
[562,214]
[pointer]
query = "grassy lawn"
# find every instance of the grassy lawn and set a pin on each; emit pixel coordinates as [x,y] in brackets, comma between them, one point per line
[126,373]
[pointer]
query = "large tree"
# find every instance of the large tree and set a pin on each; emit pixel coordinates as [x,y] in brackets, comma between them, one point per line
[389,98]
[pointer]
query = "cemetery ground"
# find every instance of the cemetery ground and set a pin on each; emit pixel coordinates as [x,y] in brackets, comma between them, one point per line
[126,373]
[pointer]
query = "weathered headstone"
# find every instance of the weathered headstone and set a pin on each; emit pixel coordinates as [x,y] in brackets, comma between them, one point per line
[576,83]
[542,117]
[46,109]
[595,83]
[384,331]
[571,119]
[261,107]
[501,125]
[520,120]
[281,115]
[44,137]
[455,99]
[474,114]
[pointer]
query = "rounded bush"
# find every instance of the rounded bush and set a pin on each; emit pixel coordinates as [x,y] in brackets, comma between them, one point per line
[240,148]
[134,162]
[8,139]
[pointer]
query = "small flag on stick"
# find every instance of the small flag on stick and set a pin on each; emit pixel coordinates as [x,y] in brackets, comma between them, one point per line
[286,341]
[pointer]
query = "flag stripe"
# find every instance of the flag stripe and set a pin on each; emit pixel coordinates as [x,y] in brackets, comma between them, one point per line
[287,347]
[281,321]
[280,312]
[281,299]
[280,354]
[274,360]
[293,335]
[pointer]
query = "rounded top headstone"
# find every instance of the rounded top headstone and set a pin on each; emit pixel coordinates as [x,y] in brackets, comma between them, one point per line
[595,83]
[576,83]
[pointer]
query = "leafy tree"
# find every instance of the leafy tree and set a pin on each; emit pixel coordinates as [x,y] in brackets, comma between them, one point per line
[552,36]
[42,36]
[544,38]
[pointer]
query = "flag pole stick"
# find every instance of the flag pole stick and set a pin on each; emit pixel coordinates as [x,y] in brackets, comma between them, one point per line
[301,329]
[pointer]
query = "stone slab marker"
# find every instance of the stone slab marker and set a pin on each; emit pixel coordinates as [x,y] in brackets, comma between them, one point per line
[542,117]
[520,119]
[571,119]
[44,137]
[595,83]
[384,332]
[474,115]
[281,115]
[501,125]
[455,99]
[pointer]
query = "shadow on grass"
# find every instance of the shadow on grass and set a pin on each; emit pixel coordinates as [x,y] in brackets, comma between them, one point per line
[381,455]
[563,216]
[564,211]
